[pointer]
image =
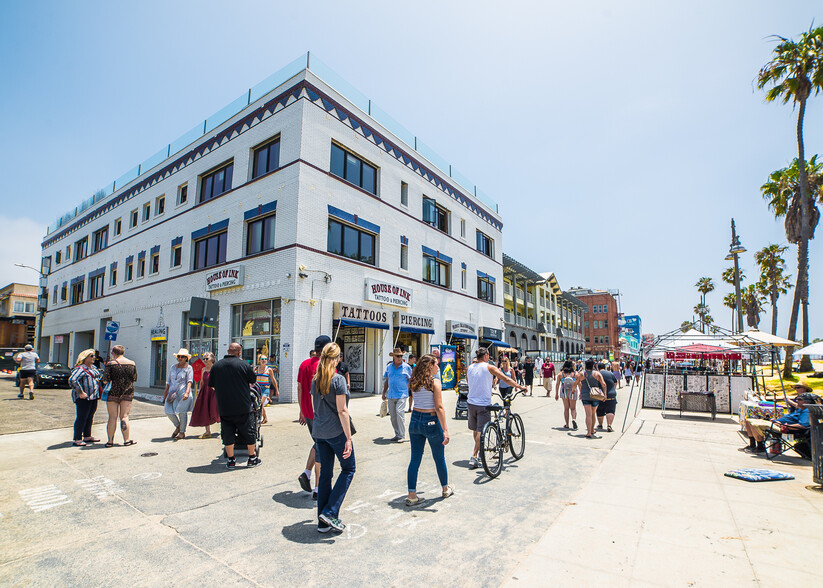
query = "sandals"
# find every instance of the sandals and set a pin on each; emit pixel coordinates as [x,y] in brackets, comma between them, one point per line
[609,429]
[129,442]
[180,436]
[415,501]
[109,444]
[92,440]
[205,436]
[79,443]
[448,491]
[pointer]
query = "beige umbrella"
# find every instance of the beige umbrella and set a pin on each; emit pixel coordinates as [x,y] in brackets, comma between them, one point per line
[751,335]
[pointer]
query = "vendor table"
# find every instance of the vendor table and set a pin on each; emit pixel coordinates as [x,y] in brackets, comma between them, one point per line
[753,409]
[703,401]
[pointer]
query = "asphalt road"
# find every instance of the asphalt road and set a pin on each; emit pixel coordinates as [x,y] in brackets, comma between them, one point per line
[168,513]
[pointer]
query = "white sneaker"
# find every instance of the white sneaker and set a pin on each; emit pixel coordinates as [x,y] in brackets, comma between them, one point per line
[474,463]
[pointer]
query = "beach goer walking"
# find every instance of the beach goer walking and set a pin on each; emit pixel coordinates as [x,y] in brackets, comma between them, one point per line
[85,392]
[547,370]
[122,373]
[607,407]
[396,391]
[528,374]
[205,413]
[267,383]
[588,379]
[177,396]
[28,361]
[566,388]
[305,375]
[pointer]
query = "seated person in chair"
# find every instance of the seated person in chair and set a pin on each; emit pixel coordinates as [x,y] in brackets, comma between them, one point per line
[795,422]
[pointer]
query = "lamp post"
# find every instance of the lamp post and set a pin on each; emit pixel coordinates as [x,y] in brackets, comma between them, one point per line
[42,298]
[736,249]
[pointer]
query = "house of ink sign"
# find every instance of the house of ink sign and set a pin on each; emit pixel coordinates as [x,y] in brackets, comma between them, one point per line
[387,293]
[228,277]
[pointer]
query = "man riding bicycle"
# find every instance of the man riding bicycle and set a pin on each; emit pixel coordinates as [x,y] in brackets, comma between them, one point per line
[480,376]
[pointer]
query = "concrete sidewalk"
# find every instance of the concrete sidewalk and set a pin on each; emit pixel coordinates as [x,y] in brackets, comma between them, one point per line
[659,511]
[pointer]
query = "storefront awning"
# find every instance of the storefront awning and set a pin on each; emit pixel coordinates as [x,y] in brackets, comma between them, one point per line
[366,324]
[406,329]
[461,336]
[496,343]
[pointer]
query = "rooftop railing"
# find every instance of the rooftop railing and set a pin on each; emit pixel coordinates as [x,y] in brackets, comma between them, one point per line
[236,106]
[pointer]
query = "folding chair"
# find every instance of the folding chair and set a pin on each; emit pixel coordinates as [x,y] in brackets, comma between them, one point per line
[800,442]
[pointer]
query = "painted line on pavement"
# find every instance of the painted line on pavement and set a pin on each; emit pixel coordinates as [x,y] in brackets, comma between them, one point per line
[100,486]
[44,497]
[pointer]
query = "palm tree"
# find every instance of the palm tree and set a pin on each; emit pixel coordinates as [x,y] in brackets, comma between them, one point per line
[728,275]
[772,282]
[685,326]
[730,299]
[752,300]
[704,286]
[795,71]
[702,311]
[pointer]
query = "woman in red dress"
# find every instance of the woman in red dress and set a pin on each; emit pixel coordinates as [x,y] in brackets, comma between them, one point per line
[205,407]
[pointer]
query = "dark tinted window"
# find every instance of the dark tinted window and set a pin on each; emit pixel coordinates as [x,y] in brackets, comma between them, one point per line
[353,169]
[351,242]
[210,251]
[261,235]
[266,158]
[216,183]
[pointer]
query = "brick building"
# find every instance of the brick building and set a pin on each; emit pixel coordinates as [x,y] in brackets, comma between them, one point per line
[600,322]
[299,213]
[18,311]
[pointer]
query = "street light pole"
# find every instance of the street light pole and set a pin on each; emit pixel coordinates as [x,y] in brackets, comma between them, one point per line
[734,250]
[42,298]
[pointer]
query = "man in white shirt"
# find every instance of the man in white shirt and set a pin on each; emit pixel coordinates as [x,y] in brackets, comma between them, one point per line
[480,376]
[28,361]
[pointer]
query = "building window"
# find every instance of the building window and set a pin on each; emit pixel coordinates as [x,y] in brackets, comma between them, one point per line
[485,244]
[585,324]
[177,256]
[113,278]
[256,326]
[215,183]
[133,219]
[96,286]
[77,293]
[485,289]
[54,296]
[463,278]
[81,249]
[404,193]
[404,257]
[182,194]
[129,271]
[588,339]
[350,242]
[463,228]
[64,292]
[435,215]
[266,158]
[100,240]
[160,205]
[154,263]
[353,169]
[606,324]
[260,236]
[118,226]
[146,211]
[436,271]
[141,267]
[20,306]
[58,257]
[198,337]
[210,250]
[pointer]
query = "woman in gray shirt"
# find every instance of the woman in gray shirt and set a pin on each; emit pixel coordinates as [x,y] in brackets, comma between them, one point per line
[332,433]
[177,397]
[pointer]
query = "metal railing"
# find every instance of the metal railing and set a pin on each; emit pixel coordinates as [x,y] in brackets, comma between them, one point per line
[304,62]
[507,288]
[508,316]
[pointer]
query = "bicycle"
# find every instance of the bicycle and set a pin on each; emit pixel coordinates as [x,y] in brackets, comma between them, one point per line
[504,432]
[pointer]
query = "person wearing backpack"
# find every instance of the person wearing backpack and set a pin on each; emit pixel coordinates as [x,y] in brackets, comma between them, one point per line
[566,388]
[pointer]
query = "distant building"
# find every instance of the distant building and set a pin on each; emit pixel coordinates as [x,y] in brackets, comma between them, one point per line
[600,322]
[630,327]
[18,310]
[522,306]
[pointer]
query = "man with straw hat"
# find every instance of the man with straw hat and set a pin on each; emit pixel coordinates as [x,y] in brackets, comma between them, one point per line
[396,391]
[794,422]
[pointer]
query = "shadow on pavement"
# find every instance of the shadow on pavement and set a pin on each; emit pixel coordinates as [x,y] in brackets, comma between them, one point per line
[306,532]
[383,441]
[295,499]
[162,440]
[64,445]
[698,419]
[217,466]
[399,503]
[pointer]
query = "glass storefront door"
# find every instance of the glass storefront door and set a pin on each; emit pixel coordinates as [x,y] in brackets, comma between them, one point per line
[160,351]
[256,326]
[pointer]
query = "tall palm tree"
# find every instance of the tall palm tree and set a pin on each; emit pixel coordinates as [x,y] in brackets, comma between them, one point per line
[702,311]
[752,300]
[783,192]
[794,72]
[704,286]
[728,275]
[730,299]
[772,282]
[685,326]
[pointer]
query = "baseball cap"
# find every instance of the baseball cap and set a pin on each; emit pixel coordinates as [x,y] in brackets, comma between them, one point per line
[321,342]
[28,348]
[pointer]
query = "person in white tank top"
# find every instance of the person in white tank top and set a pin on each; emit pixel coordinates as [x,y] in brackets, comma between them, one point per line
[480,376]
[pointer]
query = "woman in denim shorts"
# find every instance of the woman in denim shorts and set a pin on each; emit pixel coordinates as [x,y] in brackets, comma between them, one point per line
[588,379]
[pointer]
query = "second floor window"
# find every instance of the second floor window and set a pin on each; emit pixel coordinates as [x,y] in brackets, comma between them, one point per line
[100,240]
[266,158]
[435,215]
[129,272]
[118,226]
[177,256]
[485,245]
[154,263]
[353,169]
[216,182]
[350,242]
[159,205]
[96,287]
[133,219]
[58,257]
[141,267]
[210,250]
[436,271]
[485,289]
[64,292]
[113,277]
[260,235]
[146,211]
[81,249]
[182,194]
[77,293]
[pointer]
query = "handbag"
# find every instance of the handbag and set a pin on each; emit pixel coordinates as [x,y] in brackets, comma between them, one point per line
[384,408]
[334,409]
[595,393]
[106,389]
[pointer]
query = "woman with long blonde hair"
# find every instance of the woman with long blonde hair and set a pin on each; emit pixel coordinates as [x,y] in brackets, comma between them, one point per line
[428,422]
[332,433]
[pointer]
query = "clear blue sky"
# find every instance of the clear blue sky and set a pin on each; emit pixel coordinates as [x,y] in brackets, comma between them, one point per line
[618,138]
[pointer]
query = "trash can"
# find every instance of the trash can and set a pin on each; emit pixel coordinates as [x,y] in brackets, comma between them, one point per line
[816,424]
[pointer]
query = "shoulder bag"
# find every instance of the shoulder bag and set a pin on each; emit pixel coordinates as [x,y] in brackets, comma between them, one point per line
[334,409]
[595,393]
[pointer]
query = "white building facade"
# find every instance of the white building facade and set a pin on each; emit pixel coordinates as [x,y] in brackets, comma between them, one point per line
[300,215]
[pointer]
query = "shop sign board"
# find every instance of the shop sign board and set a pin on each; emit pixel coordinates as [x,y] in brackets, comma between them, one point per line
[227,277]
[403,319]
[387,293]
[491,334]
[460,328]
[360,313]
[159,333]
[58,339]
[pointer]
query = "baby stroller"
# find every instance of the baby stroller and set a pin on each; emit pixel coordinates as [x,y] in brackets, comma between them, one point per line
[256,395]
[462,407]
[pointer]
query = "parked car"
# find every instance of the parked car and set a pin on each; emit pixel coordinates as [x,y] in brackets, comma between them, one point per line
[49,375]
[7,355]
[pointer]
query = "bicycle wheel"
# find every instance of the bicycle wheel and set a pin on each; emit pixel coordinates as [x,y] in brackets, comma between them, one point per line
[517,437]
[491,449]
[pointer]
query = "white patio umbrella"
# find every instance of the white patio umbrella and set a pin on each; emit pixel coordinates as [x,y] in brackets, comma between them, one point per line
[813,349]
[751,335]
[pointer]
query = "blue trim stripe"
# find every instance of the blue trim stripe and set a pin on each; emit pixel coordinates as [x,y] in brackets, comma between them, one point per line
[130,259]
[485,276]
[354,323]
[78,279]
[462,265]
[113,265]
[404,240]
[155,249]
[212,228]
[176,241]
[260,210]
[437,254]
[98,272]
[142,255]
[353,219]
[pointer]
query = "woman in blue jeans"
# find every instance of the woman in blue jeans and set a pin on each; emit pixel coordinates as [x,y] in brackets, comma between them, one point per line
[331,430]
[428,422]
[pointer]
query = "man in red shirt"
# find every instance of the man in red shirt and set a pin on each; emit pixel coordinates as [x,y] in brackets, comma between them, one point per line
[305,374]
[548,376]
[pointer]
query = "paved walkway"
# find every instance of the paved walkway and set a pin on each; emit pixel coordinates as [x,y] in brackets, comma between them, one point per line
[658,511]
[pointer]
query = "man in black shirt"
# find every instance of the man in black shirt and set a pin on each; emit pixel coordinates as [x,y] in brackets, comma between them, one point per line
[231,377]
[528,374]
